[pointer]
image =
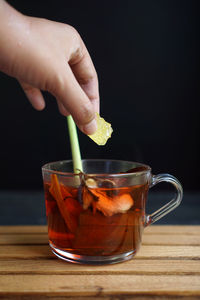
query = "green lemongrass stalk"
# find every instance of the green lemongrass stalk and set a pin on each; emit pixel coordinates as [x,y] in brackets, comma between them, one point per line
[75,149]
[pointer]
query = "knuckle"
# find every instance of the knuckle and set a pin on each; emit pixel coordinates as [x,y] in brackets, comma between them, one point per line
[74,33]
[28,89]
[77,46]
[87,114]
[89,79]
[56,84]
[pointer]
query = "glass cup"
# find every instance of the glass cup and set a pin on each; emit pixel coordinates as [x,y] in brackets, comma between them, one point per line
[98,217]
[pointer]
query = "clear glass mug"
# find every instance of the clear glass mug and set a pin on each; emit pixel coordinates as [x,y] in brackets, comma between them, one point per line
[98,217]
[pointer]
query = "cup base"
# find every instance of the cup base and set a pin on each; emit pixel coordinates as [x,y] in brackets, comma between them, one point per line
[91,260]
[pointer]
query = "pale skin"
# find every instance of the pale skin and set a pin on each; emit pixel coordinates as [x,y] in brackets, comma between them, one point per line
[48,56]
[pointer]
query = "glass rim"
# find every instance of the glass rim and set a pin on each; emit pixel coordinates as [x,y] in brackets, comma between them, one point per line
[71,174]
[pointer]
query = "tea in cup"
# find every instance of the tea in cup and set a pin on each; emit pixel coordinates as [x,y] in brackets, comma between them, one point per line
[98,216]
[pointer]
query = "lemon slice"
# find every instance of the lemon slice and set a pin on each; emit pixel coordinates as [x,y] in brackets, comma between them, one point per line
[103,133]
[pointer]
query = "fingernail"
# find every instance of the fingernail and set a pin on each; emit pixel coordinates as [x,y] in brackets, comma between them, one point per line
[90,128]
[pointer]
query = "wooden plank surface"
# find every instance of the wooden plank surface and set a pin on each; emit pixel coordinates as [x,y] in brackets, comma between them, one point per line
[166,266]
[86,285]
[134,266]
[23,229]
[148,252]
[148,239]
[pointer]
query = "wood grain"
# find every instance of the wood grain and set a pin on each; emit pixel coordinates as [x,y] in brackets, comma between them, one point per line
[172,229]
[24,239]
[134,266]
[166,267]
[23,229]
[148,252]
[76,285]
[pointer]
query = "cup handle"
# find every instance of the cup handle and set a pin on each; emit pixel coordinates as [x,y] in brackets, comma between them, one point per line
[171,205]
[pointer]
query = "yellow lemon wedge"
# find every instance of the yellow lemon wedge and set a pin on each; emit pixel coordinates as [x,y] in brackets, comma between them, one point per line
[103,132]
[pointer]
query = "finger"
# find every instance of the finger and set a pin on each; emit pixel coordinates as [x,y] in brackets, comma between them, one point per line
[67,90]
[86,76]
[34,95]
[88,89]
[62,109]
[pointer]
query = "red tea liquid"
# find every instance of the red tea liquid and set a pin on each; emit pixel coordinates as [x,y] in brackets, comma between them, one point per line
[93,230]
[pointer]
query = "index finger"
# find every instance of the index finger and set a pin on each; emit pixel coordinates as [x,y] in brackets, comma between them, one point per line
[86,75]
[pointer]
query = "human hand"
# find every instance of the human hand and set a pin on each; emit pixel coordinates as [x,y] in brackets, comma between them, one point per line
[49,56]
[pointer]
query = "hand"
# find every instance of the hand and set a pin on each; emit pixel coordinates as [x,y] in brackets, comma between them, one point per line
[50,56]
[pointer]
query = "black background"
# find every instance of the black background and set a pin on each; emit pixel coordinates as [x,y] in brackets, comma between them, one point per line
[146,54]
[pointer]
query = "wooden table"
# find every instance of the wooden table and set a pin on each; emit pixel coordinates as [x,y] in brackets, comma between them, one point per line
[167,266]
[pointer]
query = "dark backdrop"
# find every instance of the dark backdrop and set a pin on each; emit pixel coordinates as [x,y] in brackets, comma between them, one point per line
[147,57]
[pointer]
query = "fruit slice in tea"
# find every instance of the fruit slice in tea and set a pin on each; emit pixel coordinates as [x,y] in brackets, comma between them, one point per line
[67,205]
